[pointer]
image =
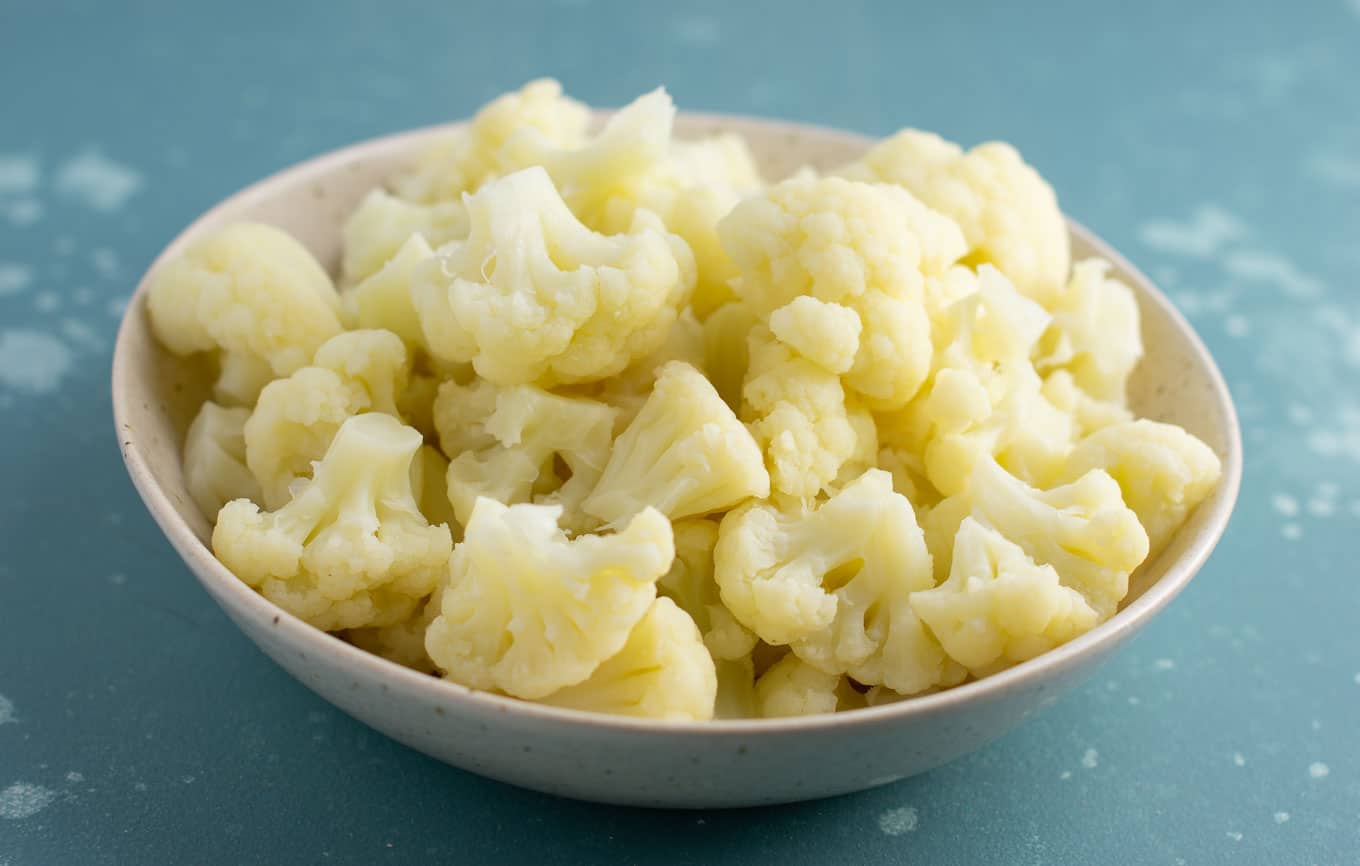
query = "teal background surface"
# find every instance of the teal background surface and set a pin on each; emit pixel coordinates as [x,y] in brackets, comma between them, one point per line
[1217,144]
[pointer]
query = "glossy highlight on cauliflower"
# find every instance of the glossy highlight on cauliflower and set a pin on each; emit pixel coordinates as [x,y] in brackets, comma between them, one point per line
[350,549]
[252,295]
[527,612]
[533,296]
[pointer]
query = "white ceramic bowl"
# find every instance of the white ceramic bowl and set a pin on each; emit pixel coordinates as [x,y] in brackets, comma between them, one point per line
[620,760]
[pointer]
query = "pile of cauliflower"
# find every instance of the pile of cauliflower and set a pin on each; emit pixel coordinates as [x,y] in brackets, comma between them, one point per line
[604,420]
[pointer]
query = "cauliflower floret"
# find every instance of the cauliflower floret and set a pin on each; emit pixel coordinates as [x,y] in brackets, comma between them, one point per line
[1008,213]
[250,293]
[1162,470]
[351,549]
[532,295]
[382,223]
[528,612]
[794,688]
[402,642]
[726,354]
[999,608]
[826,334]
[835,583]
[505,442]
[798,414]
[628,391]
[1088,414]
[690,584]
[685,454]
[614,164]
[984,397]
[215,459]
[296,417]
[1095,332]
[1082,529]
[462,161]
[662,672]
[429,479]
[859,245]
[383,300]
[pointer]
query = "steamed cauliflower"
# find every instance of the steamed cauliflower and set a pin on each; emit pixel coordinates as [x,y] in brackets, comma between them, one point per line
[835,584]
[215,459]
[252,295]
[460,162]
[662,672]
[1095,332]
[350,549]
[999,607]
[1083,529]
[799,415]
[1008,213]
[1162,470]
[382,223]
[859,245]
[506,445]
[383,299]
[528,612]
[691,585]
[684,454]
[623,428]
[532,295]
[295,419]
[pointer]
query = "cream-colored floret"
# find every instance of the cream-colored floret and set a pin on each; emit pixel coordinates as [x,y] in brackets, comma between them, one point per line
[999,607]
[528,612]
[383,300]
[253,296]
[1095,332]
[685,454]
[691,585]
[662,672]
[215,459]
[351,548]
[382,224]
[532,295]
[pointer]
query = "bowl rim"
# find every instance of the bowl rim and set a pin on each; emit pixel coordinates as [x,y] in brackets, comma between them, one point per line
[228,590]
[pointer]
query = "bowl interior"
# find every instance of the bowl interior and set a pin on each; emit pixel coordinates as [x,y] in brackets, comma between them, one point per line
[156,395]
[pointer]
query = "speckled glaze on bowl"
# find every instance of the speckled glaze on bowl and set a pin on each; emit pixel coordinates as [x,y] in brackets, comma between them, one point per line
[618,760]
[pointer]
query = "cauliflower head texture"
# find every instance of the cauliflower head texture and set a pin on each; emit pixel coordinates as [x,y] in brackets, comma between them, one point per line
[215,470]
[528,612]
[514,444]
[685,454]
[296,417]
[1094,333]
[999,607]
[375,232]
[253,296]
[690,584]
[1008,213]
[383,299]
[533,296]
[1082,529]
[351,548]
[663,671]
[1162,470]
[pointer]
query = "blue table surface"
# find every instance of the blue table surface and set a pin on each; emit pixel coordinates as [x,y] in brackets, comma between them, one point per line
[1217,144]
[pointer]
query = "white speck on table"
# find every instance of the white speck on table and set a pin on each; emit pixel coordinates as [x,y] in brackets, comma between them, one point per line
[1091,759]
[23,800]
[1285,504]
[33,361]
[1319,770]
[896,822]
[1281,817]
[97,182]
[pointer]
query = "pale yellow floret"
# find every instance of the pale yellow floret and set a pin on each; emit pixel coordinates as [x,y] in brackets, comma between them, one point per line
[533,296]
[1008,213]
[351,548]
[1095,332]
[663,671]
[824,333]
[215,469]
[691,585]
[253,296]
[685,454]
[383,300]
[296,417]
[1162,470]
[506,444]
[382,223]
[1083,529]
[528,612]
[999,607]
